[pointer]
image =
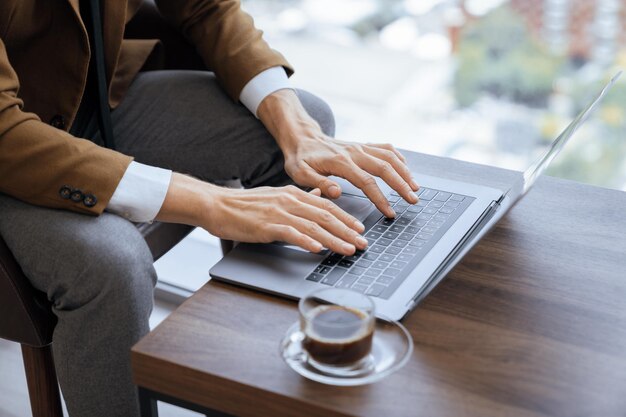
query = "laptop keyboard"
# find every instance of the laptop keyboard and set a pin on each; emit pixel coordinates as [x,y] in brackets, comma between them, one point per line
[396,246]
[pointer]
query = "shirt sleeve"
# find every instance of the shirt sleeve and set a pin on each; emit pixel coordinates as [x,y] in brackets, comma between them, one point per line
[262,85]
[140,193]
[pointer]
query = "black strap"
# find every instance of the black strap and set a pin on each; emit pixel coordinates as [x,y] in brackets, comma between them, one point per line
[97,59]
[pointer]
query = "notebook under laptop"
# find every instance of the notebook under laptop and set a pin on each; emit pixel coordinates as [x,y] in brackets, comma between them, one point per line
[407,256]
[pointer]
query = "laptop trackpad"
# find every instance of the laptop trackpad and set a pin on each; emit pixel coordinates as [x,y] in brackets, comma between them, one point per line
[271,267]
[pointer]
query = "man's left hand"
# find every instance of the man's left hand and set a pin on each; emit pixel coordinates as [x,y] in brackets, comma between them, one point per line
[311,156]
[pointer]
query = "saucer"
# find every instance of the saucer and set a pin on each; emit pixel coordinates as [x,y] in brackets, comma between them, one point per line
[391,348]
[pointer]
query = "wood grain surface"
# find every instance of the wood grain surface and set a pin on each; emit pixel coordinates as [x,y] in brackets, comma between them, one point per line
[531,323]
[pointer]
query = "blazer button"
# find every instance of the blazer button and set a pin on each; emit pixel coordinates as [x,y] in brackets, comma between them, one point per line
[77,195]
[58,121]
[90,200]
[65,192]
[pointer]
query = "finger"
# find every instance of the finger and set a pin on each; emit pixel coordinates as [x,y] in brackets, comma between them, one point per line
[366,183]
[330,222]
[289,234]
[400,167]
[389,147]
[306,175]
[319,234]
[327,205]
[316,192]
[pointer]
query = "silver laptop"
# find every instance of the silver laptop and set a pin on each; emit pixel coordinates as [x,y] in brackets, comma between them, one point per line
[407,256]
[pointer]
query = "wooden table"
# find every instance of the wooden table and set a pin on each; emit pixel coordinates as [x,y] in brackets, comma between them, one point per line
[531,323]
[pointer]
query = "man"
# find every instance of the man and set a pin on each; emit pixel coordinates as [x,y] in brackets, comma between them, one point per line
[97,270]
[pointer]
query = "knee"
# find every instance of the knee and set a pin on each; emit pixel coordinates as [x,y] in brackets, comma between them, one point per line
[117,266]
[319,110]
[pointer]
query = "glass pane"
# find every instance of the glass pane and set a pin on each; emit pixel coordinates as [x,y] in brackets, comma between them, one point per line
[488,81]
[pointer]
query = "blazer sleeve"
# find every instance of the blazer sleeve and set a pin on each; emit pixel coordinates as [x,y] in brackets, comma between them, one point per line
[225,38]
[39,164]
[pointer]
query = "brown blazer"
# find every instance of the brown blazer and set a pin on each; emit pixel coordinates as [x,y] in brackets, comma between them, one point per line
[44,56]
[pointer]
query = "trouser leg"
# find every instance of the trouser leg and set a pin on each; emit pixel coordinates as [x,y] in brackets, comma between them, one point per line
[183,120]
[99,276]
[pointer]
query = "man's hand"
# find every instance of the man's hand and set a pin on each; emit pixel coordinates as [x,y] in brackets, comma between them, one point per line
[263,214]
[311,156]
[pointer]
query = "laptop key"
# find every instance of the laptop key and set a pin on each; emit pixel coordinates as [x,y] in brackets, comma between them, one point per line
[393,250]
[391,235]
[417,243]
[393,198]
[345,263]
[396,229]
[428,195]
[411,250]
[370,241]
[370,256]
[366,280]
[386,222]
[384,242]
[409,215]
[429,210]
[398,264]
[386,257]
[373,272]
[377,249]
[446,210]
[436,204]
[443,196]
[405,257]
[373,235]
[314,277]
[379,228]
[380,265]
[424,216]
[359,287]
[385,280]
[330,261]
[412,229]
[357,270]
[435,223]
[346,281]
[456,197]
[364,263]
[421,203]
[323,269]
[414,209]
[406,236]
[334,276]
[399,243]
[453,204]
[402,221]
[375,290]
[418,222]
[424,236]
[429,229]
[392,272]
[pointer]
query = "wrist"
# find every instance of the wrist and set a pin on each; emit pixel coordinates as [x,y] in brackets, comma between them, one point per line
[188,201]
[287,120]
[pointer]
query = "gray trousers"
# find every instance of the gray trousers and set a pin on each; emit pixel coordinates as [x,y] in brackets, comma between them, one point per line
[97,271]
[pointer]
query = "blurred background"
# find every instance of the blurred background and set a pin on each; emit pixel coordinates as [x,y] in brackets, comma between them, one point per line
[488,81]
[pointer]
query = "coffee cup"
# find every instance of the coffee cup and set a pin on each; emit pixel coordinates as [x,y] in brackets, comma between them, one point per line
[338,328]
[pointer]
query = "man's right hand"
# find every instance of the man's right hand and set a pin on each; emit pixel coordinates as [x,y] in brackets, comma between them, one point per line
[263,214]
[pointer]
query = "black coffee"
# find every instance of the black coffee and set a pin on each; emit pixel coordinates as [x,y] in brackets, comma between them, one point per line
[338,335]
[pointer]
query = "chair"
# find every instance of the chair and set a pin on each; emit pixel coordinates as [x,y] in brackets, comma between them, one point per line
[26,315]
[27,318]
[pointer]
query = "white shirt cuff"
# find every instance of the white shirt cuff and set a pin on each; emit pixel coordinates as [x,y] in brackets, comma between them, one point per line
[262,85]
[140,193]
